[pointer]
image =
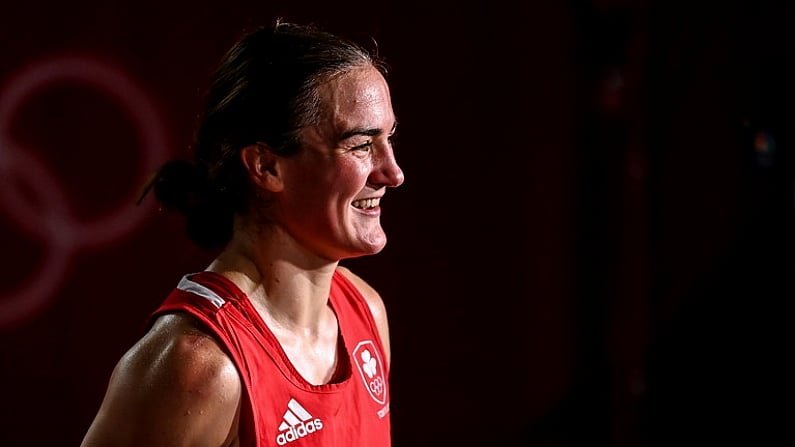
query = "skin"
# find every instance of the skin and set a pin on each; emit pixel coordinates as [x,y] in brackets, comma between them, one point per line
[176,386]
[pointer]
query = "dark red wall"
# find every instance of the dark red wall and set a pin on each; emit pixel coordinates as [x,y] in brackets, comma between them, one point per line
[592,245]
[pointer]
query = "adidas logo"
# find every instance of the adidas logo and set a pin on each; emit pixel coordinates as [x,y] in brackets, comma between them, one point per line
[297,423]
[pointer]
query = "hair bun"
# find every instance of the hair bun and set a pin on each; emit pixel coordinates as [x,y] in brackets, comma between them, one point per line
[180,185]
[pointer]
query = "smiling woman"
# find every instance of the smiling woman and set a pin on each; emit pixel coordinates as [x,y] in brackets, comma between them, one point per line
[273,342]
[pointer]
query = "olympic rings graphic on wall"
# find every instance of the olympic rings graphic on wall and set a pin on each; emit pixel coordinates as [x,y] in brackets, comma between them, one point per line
[49,217]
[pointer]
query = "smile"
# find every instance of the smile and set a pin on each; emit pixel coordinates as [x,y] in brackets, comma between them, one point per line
[366,203]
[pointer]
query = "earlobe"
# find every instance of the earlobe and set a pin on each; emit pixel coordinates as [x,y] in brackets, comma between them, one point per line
[262,166]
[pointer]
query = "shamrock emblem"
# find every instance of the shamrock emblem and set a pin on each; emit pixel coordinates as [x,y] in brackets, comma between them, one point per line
[368,363]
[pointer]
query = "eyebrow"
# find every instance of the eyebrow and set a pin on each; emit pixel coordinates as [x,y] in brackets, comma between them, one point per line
[365,132]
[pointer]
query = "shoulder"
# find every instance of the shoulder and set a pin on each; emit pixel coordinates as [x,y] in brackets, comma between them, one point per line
[376,305]
[175,386]
[371,296]
[178,350]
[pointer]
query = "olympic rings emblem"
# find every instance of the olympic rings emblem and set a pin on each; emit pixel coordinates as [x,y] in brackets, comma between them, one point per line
[49,217]
[377,385]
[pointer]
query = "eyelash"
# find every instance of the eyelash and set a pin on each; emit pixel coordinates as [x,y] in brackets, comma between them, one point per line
[369,145]
[366,146]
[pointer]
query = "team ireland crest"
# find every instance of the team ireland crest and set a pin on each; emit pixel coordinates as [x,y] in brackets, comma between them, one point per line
[371,369]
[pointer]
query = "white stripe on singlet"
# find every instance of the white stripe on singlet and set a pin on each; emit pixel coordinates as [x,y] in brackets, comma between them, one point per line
[188,285]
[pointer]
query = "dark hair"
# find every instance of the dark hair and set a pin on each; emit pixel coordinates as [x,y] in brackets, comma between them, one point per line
[265,90]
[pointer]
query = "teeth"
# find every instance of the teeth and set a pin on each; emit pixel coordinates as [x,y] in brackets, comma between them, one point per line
[366,203]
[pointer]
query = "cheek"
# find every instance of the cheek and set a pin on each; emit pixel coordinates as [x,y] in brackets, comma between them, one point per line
[320,187]
[351,177]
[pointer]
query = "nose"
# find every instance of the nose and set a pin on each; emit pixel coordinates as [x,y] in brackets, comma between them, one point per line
[386,171]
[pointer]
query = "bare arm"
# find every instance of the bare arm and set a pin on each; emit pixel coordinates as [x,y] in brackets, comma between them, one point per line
[377,307]
[175,387]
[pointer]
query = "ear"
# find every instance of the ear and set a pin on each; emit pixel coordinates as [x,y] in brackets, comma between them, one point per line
[262,166]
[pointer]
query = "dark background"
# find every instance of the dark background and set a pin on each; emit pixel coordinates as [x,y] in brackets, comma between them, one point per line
[593,245]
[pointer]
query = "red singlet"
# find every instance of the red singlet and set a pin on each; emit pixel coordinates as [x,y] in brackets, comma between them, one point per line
[281,408]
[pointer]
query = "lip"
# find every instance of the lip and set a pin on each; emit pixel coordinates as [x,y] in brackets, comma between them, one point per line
[374,196]
[371,211]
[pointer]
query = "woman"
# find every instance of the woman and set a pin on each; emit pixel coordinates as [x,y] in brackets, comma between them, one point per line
[274,343]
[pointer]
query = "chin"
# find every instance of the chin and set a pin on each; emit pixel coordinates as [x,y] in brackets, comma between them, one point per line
[369,248]
[369,242]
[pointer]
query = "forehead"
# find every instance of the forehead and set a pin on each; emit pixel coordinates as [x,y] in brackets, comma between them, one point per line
[359,97]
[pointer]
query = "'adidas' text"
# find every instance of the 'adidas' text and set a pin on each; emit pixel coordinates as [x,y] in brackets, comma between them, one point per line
[297,423]
[299,431]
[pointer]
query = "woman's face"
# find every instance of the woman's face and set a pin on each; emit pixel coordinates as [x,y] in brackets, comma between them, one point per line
[333,187]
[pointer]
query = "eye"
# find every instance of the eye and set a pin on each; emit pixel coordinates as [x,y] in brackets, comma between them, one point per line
[392,139]
[366,147]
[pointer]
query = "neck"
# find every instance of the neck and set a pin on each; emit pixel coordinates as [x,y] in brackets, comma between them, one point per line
[288,286]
